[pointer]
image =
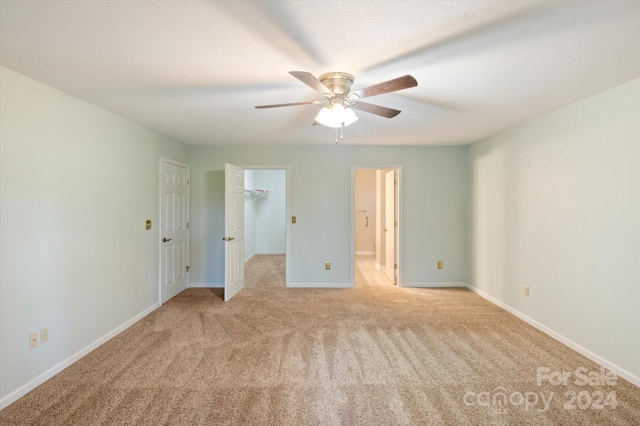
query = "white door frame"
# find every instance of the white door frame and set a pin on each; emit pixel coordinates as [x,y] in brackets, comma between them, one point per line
[287,172]
[159,223]
[398,245]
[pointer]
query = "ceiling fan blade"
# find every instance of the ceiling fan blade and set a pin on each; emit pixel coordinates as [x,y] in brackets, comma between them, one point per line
[396,84]
[376,109]
[311,81]
[285,105]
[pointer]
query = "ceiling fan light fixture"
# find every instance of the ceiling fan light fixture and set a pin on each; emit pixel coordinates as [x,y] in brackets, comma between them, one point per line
[336,116]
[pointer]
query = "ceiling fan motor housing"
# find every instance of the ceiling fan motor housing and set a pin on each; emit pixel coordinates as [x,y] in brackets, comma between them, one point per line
[338,82]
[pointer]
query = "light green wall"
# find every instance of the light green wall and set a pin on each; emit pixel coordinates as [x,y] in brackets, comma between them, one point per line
[76,185]
[434,209]
[568,225]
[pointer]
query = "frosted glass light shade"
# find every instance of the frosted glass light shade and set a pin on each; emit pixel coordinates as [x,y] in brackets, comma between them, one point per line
[335,116]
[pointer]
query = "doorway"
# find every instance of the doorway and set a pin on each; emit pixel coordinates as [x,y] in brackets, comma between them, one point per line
[376,224]
[265,206]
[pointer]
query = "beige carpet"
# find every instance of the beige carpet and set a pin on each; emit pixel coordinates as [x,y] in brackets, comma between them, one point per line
[265,270]
[372,355]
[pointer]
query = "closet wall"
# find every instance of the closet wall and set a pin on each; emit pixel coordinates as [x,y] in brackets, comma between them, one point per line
[264,216]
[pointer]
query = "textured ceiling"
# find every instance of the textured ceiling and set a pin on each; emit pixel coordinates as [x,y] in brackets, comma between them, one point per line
[195,69]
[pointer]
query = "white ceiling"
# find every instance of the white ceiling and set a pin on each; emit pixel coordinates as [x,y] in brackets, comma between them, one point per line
[194,70]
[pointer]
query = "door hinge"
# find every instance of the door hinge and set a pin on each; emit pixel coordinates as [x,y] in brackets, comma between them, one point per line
[395,223]
[187,225]
[188,180]
[188,268]
[395,266]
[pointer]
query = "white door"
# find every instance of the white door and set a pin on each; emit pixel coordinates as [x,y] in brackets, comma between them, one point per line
[389,226]
[174,232]
[234,230]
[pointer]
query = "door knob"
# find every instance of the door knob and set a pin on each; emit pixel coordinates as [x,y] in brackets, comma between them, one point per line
[164,240]
[228,238]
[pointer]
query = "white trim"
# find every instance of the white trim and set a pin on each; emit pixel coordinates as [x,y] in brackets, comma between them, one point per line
[320,285]
[621,372]
[271,252]
[28,387]
[435,284]
[365,253]
[378,267]
[175,163]
[249,258]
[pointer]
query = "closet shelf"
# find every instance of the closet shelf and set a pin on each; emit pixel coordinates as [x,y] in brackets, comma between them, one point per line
[254,194]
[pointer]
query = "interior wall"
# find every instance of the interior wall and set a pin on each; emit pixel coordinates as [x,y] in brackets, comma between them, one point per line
[249,217]
[435,204]
[265,218]
[271,211]
[556,203]
[380,254]
[77,184]
[364,221]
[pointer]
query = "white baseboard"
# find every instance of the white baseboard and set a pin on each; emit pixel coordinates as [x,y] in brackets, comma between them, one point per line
[249,258]
[365,253]
[320,285]
[270,252]
[380,268]
[28,387]
[206,285]
[434,284]
[620,372]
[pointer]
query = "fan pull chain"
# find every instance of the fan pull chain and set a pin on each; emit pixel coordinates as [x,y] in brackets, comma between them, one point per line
[341,133]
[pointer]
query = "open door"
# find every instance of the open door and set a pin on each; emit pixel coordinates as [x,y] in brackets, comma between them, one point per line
[390,226]
[234,230]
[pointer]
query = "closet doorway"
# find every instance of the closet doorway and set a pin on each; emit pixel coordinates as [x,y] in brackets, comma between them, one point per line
[265,226]
[376,225]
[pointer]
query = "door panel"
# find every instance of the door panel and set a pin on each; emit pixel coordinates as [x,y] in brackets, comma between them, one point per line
[174,232]
[234,231]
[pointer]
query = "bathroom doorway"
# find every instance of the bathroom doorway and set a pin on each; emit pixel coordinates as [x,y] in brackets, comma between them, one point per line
[376,226]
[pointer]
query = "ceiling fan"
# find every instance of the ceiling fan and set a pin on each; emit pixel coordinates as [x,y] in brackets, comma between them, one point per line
[336,88]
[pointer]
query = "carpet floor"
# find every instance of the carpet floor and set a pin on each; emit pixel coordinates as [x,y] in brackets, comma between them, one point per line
[370,355]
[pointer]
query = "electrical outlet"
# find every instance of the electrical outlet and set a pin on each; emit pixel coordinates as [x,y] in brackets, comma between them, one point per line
[440,264]
[526,290]
[33,340]
[327,265]
[44,334]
